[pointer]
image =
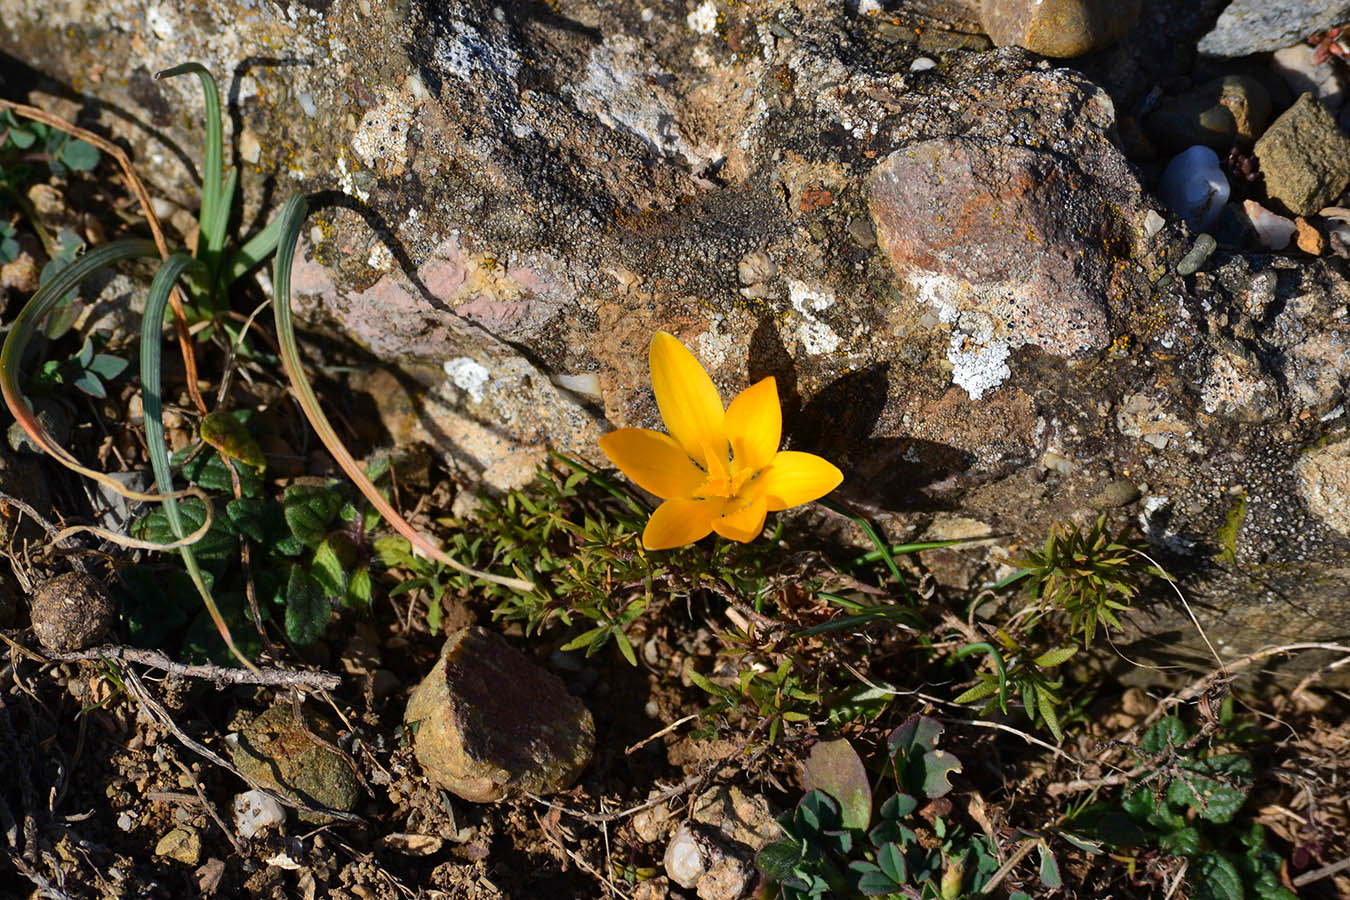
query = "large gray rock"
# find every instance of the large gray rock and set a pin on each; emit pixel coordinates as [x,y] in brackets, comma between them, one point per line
[1260,26]
[531,194]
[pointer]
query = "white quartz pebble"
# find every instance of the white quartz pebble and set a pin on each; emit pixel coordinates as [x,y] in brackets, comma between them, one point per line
[1273,232]
[1194,187]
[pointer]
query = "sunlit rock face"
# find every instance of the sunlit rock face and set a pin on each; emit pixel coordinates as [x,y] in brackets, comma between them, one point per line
[511,201]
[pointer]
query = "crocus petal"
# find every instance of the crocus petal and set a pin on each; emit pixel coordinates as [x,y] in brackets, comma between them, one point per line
[792,479]
[686,396]
[741,521]
[754,424]
[653,461]
[678,522]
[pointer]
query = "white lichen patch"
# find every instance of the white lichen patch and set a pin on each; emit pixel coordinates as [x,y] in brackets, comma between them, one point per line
[977,368]
[380,257]
[817,337]
[381,140]
[346,180]
[622,88]
[703,19]
[468,54]
[469,375]
[807,300]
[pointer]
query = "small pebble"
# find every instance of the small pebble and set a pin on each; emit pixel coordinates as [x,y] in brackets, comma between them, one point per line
[922,64]
[1297,66]
[1194,187]
[1153,223]
[1190,263]
[255,811]
[1308,238]
[684,858]
[1273,232]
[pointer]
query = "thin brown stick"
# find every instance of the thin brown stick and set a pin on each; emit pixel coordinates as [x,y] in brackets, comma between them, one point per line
[1204,684]
[143,198]
[1022,850]
[211,809]
[1324,872]
[220,675]
[667,730]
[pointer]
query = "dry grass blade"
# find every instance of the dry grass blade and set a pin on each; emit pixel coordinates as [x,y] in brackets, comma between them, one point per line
[292,216]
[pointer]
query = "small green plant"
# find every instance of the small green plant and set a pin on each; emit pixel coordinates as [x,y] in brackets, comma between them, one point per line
[577,536]
[1187,804]
[312,550]
[88,370]
[775,698]
[837,844]
[1023,673]
[1090,576]
[24,143]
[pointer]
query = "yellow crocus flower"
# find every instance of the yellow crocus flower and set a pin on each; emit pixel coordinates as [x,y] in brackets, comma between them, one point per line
[718,469]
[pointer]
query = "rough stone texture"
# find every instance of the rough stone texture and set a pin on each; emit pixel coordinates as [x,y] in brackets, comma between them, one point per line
[1260,26]
[489,722]
[183,844]
[71,612]
[1324,482]
[534,191]
[1304,158]
[281,753]
[1062,28]
[1010,243]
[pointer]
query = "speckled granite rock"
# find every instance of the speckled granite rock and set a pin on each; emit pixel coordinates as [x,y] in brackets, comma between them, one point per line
[1260,26]
[488,721]
[527,194]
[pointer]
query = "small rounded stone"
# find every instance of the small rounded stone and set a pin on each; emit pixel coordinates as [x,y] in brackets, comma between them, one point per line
[71,612]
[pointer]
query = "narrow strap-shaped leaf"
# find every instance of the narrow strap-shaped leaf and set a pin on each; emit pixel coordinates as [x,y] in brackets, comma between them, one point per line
[254,251]
[293,217]
[156,301]
[21,332]
[213,197]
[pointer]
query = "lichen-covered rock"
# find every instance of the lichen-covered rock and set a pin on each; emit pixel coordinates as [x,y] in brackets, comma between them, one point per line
[296,759]
[488,721]
[1010,245]
[1304,158]
[71,612]
[522,199]
[1260,26]
[1062,28]
[1324,481]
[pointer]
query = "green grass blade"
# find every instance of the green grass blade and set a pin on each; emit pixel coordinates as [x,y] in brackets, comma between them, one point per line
[255,250]
[997,659]
[211,221]
[293,217]
[156,303]
[918,547]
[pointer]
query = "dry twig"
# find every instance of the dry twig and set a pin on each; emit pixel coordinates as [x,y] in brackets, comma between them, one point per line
[220,675]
